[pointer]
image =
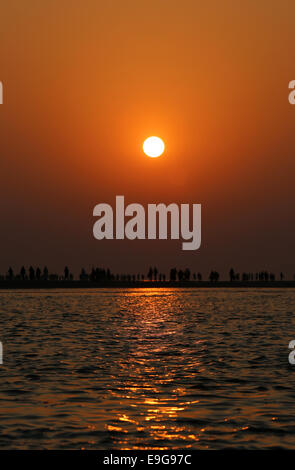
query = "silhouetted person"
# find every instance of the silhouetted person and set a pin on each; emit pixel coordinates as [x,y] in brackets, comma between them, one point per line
[232,275]
[66,272]
[83,275]
[10,274]
[173,274]
[45,273]
[23,273]
[38,274]
[282,276]
[187,274]
[31,273]
[150,274]
[214,276]
[155,273]
[199,277]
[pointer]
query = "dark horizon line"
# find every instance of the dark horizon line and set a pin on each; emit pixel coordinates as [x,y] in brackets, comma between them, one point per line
[83,284]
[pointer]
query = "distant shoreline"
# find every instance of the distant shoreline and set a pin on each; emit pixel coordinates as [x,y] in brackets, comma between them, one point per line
[78,284]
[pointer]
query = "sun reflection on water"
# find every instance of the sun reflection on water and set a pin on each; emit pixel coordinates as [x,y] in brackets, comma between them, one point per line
[157,367]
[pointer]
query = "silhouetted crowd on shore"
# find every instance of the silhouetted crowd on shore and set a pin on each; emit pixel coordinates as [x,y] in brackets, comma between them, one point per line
[32,274]
[153,274]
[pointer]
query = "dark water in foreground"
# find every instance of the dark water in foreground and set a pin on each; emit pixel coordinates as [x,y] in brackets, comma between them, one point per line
[147,368]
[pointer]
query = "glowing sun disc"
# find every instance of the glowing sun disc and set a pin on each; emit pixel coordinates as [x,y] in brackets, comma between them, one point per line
[153,147]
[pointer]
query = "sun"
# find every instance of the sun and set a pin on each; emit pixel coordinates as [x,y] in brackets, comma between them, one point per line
[153,146]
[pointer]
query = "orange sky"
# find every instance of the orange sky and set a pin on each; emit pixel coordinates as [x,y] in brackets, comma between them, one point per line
[86,82]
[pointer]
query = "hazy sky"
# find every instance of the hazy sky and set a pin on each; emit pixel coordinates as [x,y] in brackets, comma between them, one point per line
[85,82]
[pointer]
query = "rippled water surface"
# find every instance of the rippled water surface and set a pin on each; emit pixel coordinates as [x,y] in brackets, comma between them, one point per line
[147,369]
